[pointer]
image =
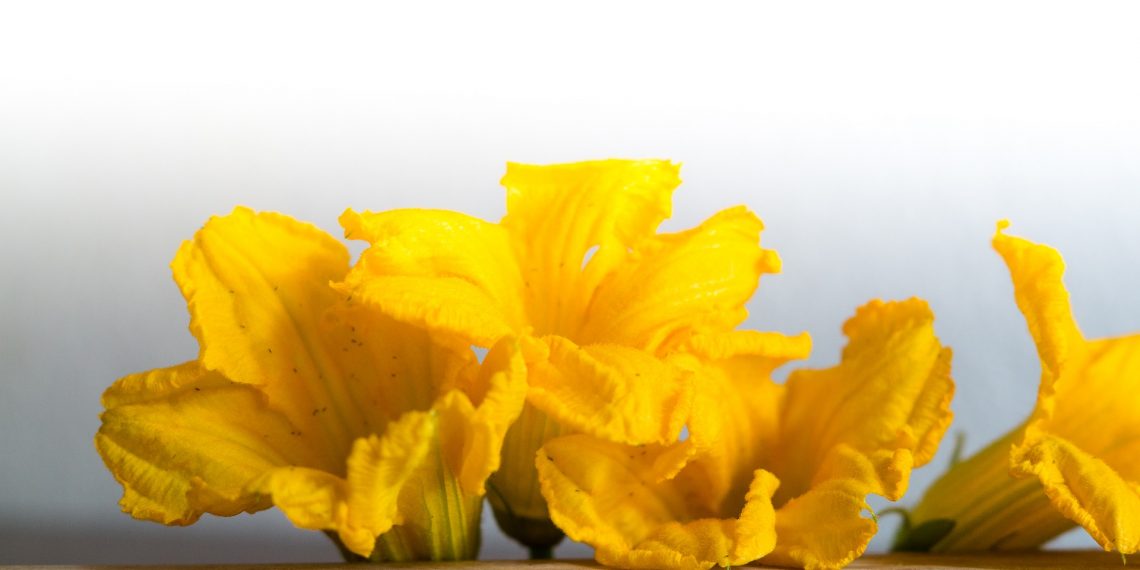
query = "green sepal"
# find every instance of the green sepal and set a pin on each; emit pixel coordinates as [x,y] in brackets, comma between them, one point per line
[922,537]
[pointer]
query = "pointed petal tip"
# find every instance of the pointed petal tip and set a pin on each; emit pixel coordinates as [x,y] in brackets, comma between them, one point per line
[770,262]
[350,221]
[1037,272]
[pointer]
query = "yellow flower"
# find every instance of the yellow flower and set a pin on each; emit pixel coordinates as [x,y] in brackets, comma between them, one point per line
[597,297]
[1076,459]
[826,438]
[347,421]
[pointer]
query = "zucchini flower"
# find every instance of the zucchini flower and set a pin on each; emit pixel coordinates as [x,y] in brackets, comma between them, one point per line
[352,423]
[1074,461]
[598,299]
[775,472]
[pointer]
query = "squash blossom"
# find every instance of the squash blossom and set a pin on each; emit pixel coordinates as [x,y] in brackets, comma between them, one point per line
[1074,461]
[349,422]
[597,297]
[775,472]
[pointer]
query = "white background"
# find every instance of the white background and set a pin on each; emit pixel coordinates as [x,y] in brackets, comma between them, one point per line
[878,141]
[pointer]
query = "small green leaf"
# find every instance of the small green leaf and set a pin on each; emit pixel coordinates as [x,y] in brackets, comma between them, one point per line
[922,537]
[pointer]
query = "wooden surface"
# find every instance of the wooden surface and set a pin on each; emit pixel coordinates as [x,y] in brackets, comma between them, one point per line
[1034,561]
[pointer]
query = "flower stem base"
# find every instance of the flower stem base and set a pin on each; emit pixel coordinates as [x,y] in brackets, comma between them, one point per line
[513,491]
[977,505]
[541,552]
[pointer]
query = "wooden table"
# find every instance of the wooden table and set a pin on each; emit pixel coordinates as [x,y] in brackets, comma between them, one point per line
[1033,560]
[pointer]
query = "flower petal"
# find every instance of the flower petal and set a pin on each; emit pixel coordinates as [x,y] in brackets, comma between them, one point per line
[858,428]
[1093,405]
[1084,489]
[1036,271]
[1082,446]
[312,499]
[257,288]
[690,281]
[612,497]
[441,504]
[1086,386]
[736,408]
[362,506]
[377,470]
[253,282]
[183,441]
[610,391]
[438,269]
[823,528]
[1078,442]
[557,214]
[891,391]
[425,475]
[390,368]
[1082,441]
[475,439]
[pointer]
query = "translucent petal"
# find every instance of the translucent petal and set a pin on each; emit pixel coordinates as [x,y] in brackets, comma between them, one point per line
[736,408]
[1092,403]
[362,506]
[1084,489]
[557,215]
[183,441]
[1036,271]
[614,498]
[858,428]
[439,269]
[891,391]
[1082,441]
[611,391]
[673,285]
[257,288]
[823,528]
[474,441]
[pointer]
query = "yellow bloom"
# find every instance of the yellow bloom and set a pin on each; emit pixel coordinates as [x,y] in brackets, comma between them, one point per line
[827,438]
[597,297]
[344,419]
[1076,459]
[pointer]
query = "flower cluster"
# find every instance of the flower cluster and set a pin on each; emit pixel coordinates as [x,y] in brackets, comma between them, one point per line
[589,376]
[345,419]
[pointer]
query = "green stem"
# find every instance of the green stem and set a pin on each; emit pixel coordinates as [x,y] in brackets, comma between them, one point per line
[989,509]
[513,490]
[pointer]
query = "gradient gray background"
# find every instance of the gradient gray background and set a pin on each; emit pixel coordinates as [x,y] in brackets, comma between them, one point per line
[878,141]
